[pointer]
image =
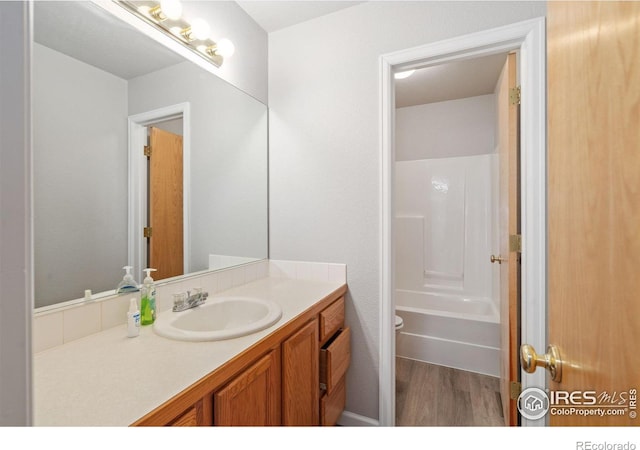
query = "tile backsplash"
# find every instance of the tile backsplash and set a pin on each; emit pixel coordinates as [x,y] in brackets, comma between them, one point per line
[61,325]
[313,271]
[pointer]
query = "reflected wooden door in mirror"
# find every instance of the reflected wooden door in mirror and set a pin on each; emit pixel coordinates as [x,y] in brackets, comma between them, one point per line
[165,244]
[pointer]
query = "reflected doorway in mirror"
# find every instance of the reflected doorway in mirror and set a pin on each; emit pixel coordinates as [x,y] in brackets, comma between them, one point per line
[161,205]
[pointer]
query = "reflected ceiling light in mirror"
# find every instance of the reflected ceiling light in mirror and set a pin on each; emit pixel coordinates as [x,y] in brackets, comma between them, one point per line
[403,75]
[194,34]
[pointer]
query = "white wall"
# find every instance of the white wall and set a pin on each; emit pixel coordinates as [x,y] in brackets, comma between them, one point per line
[463,127]
[16,277]
[228,159]
[80,136]
[247,68]
[324,152]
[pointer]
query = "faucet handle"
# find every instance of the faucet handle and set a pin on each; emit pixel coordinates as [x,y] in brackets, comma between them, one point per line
[179,300]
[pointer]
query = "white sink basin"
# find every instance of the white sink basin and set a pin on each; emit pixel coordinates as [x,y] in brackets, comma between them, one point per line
[218,319]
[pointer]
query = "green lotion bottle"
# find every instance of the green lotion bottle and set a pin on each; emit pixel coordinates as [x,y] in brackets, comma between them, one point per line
[148,300]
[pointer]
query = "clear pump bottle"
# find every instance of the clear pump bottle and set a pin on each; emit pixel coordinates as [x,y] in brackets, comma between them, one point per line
[133,319]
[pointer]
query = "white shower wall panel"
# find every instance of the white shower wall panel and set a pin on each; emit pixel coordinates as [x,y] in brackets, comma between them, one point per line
[444,225]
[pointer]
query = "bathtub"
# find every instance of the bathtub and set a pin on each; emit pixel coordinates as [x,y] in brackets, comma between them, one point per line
[449,330]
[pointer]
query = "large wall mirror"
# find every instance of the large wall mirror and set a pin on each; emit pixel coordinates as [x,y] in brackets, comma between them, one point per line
[101,87]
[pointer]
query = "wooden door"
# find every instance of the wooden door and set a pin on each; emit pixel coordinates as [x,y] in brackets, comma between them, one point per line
[509,213]
[165,204]
[300,377]
[594,200]
[253,397]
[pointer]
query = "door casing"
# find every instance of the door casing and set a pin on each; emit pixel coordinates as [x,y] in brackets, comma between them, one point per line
[528,37]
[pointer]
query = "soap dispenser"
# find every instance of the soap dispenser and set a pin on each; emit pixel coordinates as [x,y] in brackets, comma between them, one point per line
[148,302]
[128,284]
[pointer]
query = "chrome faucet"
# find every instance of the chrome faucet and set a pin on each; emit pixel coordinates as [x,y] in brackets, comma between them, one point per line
[186,300]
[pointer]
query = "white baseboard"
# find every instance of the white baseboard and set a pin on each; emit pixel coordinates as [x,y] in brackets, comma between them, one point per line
[349,419]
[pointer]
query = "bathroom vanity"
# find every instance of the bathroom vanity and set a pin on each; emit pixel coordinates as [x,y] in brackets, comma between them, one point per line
[292,373]
[294,376]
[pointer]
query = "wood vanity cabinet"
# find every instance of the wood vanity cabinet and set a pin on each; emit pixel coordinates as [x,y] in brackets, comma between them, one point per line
[315,362]
[198,414]
[335,357]
[252,398]
[300,377]
[295,376]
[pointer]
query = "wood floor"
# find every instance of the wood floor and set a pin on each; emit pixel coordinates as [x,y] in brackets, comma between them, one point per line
[430,395]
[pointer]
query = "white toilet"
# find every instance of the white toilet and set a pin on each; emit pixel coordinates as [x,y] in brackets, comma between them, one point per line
[399,324]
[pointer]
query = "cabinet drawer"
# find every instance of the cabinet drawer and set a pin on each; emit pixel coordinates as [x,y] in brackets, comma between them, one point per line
[332,405]
[331,319]
[334,359]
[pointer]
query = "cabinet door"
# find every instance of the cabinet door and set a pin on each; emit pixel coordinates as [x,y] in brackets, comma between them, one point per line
[253,397]
[300,377]
[198,415]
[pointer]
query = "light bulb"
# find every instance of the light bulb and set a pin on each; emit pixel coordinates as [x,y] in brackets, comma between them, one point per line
[402,75]
[225,48]
[199,29]
[171,8]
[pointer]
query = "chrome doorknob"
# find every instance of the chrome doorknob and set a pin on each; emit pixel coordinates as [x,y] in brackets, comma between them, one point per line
[497,259]
[551,361]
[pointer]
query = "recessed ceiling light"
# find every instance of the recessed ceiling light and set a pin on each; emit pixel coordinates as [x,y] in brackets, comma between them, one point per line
[403,75]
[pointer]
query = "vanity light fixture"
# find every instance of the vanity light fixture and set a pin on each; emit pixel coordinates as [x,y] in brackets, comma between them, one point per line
[171,8]
[167,9]
[224,48]
[198,30]
[166,16]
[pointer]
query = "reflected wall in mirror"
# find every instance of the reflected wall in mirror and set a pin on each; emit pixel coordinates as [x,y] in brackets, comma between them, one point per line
[91,74]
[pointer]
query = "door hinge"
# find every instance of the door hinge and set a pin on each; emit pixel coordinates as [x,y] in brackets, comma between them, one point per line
[146,231]
[147,151]
[515,96]
[515,243]
[515,388]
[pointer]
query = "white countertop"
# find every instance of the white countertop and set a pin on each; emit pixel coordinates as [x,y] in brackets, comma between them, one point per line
[107,379]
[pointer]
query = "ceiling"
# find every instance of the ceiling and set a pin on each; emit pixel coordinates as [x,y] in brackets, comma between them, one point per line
[273,16]
[450,81]
[57,25]
[439,83]
[107,42]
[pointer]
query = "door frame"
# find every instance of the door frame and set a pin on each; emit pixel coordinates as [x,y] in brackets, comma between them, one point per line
[529,38]
[137,217]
